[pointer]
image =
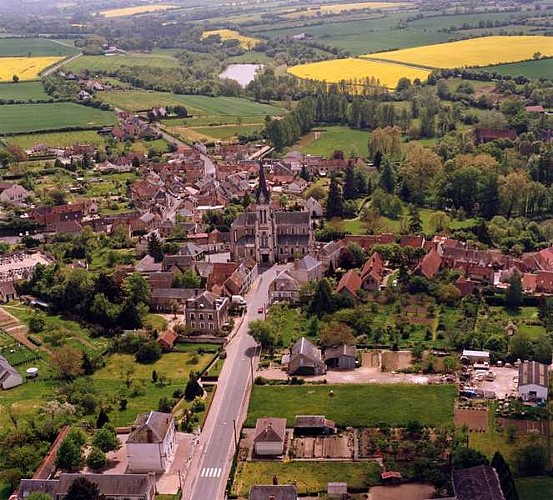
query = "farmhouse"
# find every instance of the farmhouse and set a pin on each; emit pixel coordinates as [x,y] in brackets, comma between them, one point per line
[9,376]
[313,425]
[305,359]
[533,381]
[269,436]
[111,486]
[341,357]
[151,443]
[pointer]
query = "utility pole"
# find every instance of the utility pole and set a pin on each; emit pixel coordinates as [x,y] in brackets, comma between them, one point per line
[235,436]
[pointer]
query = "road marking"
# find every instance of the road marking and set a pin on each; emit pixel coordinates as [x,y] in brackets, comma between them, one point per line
[211,472]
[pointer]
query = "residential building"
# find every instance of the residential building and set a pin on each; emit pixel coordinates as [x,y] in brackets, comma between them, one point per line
[207,313]
[314,207]
[9,376]
[151,443]
[308,269]
[330,253]
[341,357]
[15,195]
[110,486]
[273,492]
[533,381]
[372,272]
[349,284]
[268,235]
[270,434]
[313,425]
[305,359]
[284,288]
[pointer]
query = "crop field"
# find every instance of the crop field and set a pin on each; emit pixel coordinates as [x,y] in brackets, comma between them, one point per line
[26,68]
[57,139]
[41,117]
[246,42]
[34,47]
[139,9]
[542,68]
[23,91]
[355,405]
[226,132]
[337,70]
[345,7]
[113,63]
[325,142]
[483,51]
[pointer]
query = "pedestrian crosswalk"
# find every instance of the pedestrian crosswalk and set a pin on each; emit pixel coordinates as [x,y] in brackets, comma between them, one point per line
[211,472]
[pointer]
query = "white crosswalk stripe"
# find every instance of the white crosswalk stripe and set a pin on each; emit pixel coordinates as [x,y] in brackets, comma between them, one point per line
[211,472]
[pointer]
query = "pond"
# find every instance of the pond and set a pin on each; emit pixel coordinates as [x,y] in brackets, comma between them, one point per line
[242,73]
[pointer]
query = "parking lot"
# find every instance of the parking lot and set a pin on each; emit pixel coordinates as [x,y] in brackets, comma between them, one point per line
[504,384]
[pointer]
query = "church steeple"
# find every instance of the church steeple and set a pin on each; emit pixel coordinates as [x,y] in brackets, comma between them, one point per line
[262,195]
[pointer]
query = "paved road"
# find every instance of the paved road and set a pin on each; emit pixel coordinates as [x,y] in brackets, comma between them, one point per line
[208,473]
[57,66]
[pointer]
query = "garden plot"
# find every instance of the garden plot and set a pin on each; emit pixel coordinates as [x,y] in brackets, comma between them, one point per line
[320,447]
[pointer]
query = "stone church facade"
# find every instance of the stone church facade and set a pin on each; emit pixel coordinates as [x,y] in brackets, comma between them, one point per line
[269,235]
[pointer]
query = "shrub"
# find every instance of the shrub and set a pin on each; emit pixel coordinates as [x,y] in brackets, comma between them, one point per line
[96,459]
[148,353]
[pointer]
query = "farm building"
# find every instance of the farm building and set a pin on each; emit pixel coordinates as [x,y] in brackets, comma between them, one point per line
[305,359]
[471,357]
[533,381]
[9,376]
[273,492]
[151,443]
[269,436]
[313,425]
[341,357]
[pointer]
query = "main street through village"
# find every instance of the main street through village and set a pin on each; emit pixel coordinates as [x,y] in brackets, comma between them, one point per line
[209,468]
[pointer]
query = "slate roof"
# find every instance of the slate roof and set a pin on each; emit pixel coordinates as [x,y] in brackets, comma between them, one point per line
[273,492]
[270,430]
[150,427]
[7,370]
[313,421]
[292,217]
[340,350]
[477,483]
[307,263]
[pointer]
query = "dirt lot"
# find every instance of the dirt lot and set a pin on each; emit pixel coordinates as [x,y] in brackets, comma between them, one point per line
[414,491]
[475,418]
[503,385]
[339,446]
[525,426]
[392,361]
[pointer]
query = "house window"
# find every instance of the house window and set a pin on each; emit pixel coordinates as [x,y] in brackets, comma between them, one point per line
[193,324]
[202,326]
[192,316]
[210,316]
[201,316]
[211,326]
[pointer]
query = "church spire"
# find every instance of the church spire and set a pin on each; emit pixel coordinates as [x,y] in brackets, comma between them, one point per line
[262,194]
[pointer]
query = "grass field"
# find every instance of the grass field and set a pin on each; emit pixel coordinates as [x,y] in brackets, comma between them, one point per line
[139,9]
[346,7]
[534,488]
[483,51]
[310,477]
[25,68]
[333,138]
[57,139]
[138,100]
[530,69]
[34,47]
[227,132]
[338,70]
[355,405]
[246,42]
[175,366]
[113,63]
[39,117]
[23,91]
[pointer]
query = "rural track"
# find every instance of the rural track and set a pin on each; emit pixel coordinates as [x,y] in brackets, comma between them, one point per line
[58,65]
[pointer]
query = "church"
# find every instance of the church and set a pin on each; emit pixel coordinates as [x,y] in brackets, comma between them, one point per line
[269,235]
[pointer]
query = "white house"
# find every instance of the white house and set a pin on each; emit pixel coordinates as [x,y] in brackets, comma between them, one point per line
[269,436]
[9,376]
[151,443]
[533,381]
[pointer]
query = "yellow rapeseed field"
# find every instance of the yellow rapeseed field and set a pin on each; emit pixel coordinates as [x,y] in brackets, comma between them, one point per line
[139,9]
[247,42]
[355,69]
[26,68]
[342,7]
[483,51]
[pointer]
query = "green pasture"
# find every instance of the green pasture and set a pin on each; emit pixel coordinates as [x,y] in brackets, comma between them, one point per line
[355,405]
[34,47]
[335,138]
[112,63]
[23,91]
[23,118]
[542,68]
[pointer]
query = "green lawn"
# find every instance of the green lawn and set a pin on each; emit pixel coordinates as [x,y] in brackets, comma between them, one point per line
[138,100]
[335,138]
[57,139]
[530,69]
[226,132]
[35,47]
[355,405]
[41,117]
[534,488]
[110,381]
[526,319]
[23,91]
[113,63]
[310,477]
